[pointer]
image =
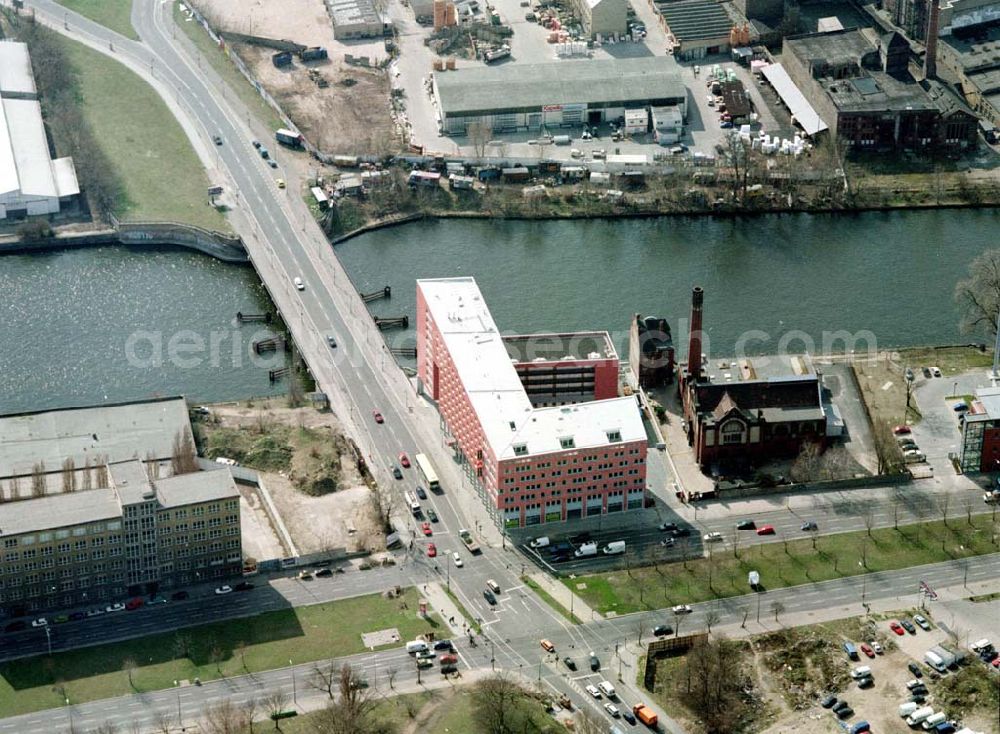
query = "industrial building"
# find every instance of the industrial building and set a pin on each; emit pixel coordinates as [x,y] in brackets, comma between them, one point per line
[981,433]
[696,28]
[651,351]
[31,183]
[603,17]
[535,420]
[744,412]
[570,93]
[975,62]
[860,85]
[125,529]
[356,19]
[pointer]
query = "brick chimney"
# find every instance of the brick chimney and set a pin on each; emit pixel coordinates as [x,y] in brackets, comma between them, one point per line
[930,44]
[694,343]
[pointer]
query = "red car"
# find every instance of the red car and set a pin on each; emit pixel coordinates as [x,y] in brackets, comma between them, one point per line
[765,530]
[901,430]
[867,651]
[378,417]
[133,604]
[448,659]
[431,550]
[996,663]
[897,628]
[426,527]
[404,460]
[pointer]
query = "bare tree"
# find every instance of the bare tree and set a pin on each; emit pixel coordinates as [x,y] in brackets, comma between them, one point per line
[711,684]
[479,134]
[869,519]
[275,702]
[978,296]
[88,480]
[587,721]
[108,727]
[499,705]
[129,666]
[216,655]
[943,505]
[182,645]
[711,618]
[69,475]
[183,458]
[162,722]
[807,464]
[241,650]
[390,675]
[325,677]
[38,479]
[777,607]
[352,710]
[225,717]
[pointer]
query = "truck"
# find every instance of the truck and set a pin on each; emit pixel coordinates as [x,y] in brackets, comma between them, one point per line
[496,54]
[288,137]
[314,53]
[645,714]
[561,140]
[282,58]
[470,543]
[587,549]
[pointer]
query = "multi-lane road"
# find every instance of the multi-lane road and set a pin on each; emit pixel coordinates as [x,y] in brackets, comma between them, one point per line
[359,377]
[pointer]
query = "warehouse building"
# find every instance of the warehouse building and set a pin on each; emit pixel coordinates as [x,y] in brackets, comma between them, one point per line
[355,19]
[31,183]
[603,17]
[571,93]
[101,524]
[696,28]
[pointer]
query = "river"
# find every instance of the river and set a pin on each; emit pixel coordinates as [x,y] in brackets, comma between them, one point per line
[82,327]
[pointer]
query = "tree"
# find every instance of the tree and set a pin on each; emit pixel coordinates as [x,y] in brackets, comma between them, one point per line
[162,722]
[869,519]
[241,650]
[499,706]
[479,134]
[352,710]
[129,666]
[324,678]
[275,702]
[807,464]
[108,727]
[225,717]
[183,457]
[216,655]
[978,296]
[943,505]
[182,645]
[741,159]
[390,675]
[69,475]
[777,607]
[711,618]
[890,458]
[711,682]
[38,479]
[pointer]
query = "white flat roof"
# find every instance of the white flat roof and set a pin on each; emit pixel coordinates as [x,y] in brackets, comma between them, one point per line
[15,69]
[495,391]
[792,96]
[8,170]
[31,150]
[65,175]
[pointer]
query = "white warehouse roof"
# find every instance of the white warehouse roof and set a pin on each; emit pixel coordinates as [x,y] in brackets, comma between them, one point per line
[792,96]
[495,390]
[25,164]
[15,70]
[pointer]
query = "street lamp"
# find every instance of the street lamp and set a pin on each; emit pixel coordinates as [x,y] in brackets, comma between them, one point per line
[48,638]
[180,717]
[292,666]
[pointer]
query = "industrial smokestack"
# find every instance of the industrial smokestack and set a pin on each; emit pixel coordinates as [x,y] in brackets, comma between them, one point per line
[694,343]
[930,44]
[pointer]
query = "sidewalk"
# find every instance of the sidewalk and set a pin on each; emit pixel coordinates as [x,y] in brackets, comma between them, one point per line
[562,594]
[439,601]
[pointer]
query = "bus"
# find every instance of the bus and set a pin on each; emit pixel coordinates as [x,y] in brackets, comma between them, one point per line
[430,476]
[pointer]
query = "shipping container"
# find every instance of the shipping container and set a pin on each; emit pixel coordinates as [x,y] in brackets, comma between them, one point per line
[316,53]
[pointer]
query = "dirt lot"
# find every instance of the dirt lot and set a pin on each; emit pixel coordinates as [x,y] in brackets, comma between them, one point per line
[295,448]
[351,115]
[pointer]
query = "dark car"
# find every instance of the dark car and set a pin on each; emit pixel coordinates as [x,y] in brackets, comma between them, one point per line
[595,663]
[918,698]
[746,525]
[243,586]
[397,472]
[844,713]
[256,144]
[915,669]
[179,595]
[667,527]
[866,682]
[77,616]
[421,493]
[681,532]
[443,645]
[16,626]
[662,629]
[489,597]
[628,716]
[810,525]
[908,626]
[323,572]
[840,705]
[926,371]
[828,702]
[568,662]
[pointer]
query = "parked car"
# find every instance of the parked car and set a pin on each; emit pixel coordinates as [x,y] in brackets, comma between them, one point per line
[431,515]
[828,702]
[95,612]
[896,627]
[666,527]
[305,574]
[569,663]
[397,472]
[133,604]
[60,619]
[443,645]
[662,629]
[866,682]
[180,595]
[378,417]
[908,626]
[909,374]
[921,621]
[901,430]
[432,550]
[40,622]
[936,371]
[876,647]
[224,590]
[546,645]
[960,407]
[867,650]
[117,607]
[322,572]
[243,586]
[915,669]
[425,528]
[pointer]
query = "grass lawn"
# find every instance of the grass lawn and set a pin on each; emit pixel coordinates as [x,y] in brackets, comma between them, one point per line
[394,712]
[227,70]
[549,599]
[272,639]
[952,361]
[883,388]
[163,178]
[788,564]
[113,14]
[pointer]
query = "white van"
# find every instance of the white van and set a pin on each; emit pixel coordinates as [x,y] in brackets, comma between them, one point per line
[614,548]
[932,721]
[861,671]
[907,708]
[539,542]
[919,715]
[979,645]
[607,689]
[416,646]
[587,549]
[935,661]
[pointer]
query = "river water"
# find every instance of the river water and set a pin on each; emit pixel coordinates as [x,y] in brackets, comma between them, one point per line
[83,327]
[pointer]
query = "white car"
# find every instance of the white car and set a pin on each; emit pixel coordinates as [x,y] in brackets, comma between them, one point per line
[876,647]
[95,612]
[592,690]
[224,590]
[921,621]
[936,371]
[913,456]
[299,284]
[713,537]
[119,607]
[40,622]
[682,609]
[612,709]
[457,559]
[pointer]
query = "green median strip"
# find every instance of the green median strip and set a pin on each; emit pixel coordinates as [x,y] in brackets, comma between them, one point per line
[788,563]
[222,649]
[472,621]
[550,600]
[113,14]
